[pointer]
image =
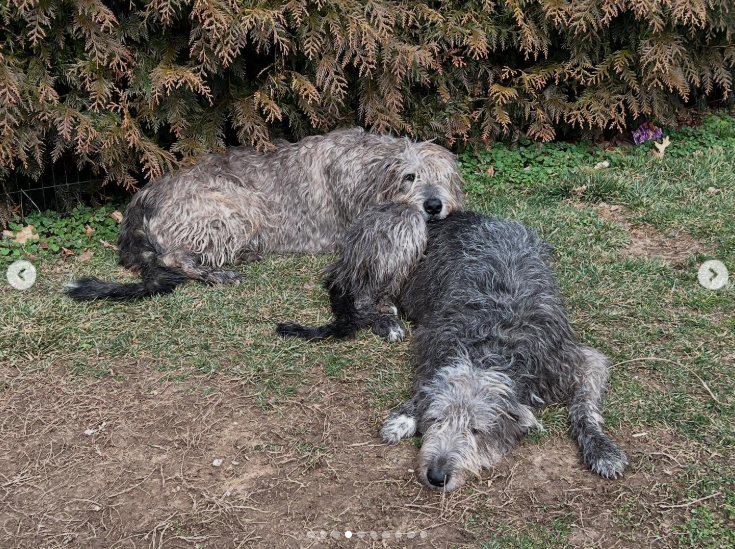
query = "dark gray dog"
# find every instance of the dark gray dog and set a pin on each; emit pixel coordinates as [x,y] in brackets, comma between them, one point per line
[300,198]
[492,344]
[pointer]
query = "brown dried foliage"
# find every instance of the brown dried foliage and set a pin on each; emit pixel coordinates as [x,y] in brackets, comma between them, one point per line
[136,89]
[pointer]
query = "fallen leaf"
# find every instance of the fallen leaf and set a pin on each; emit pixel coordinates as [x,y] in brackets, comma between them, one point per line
[25,234]
[661,147]
[108,245]
[92,431]
[89,230]
[601,165]
[86,255]
[117,216]
[713,190]
[67,251]
[491,171]
[9,234]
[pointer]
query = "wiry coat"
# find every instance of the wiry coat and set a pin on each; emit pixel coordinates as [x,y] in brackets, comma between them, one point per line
[377,255]
[240,205]
[492,343]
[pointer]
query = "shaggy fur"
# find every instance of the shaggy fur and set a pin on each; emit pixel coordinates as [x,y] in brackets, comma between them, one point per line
[492,344]
[300,198]
[375,259]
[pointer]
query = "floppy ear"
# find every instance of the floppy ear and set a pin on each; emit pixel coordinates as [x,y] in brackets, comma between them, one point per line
[388,181]
[457,187]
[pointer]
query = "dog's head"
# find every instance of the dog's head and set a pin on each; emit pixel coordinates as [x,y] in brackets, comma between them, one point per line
[424,175]
[470,419]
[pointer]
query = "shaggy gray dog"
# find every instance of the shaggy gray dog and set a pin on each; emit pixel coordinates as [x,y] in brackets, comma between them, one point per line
[492,344]
[300,198]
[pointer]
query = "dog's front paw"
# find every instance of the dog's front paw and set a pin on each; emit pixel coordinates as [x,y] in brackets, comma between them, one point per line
[397,427]
[386,306]
[225,277]
[388,309]
[396,334]
[606,459]
[390,329]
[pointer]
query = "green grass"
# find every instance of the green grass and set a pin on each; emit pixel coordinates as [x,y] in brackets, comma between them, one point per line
[670,341]
[533,536]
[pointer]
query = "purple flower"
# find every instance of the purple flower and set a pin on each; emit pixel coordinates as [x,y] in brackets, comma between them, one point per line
[647,132]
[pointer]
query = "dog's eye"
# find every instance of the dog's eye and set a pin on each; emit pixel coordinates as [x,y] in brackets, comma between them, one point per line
[409,178]
[475,432]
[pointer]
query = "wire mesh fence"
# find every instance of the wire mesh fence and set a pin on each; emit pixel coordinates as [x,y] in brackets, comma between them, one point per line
[61,187]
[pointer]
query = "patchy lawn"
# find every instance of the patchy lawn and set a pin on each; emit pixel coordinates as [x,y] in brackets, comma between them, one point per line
[183,421]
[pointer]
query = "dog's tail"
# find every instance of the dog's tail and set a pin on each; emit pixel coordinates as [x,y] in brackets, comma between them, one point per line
[157,279]
[90,288]
[600,453]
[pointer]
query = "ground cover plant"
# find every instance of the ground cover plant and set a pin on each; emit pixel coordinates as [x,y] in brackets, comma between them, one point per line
[182,421]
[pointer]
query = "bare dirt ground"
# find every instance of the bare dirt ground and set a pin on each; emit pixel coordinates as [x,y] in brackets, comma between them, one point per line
[648,243]
[131,460]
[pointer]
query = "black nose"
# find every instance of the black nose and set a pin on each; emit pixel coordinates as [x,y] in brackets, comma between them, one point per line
[433,206]
[437,477]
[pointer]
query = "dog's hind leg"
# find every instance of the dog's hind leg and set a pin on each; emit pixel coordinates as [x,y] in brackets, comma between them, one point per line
[600,453]
[401,423]
[188,264]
